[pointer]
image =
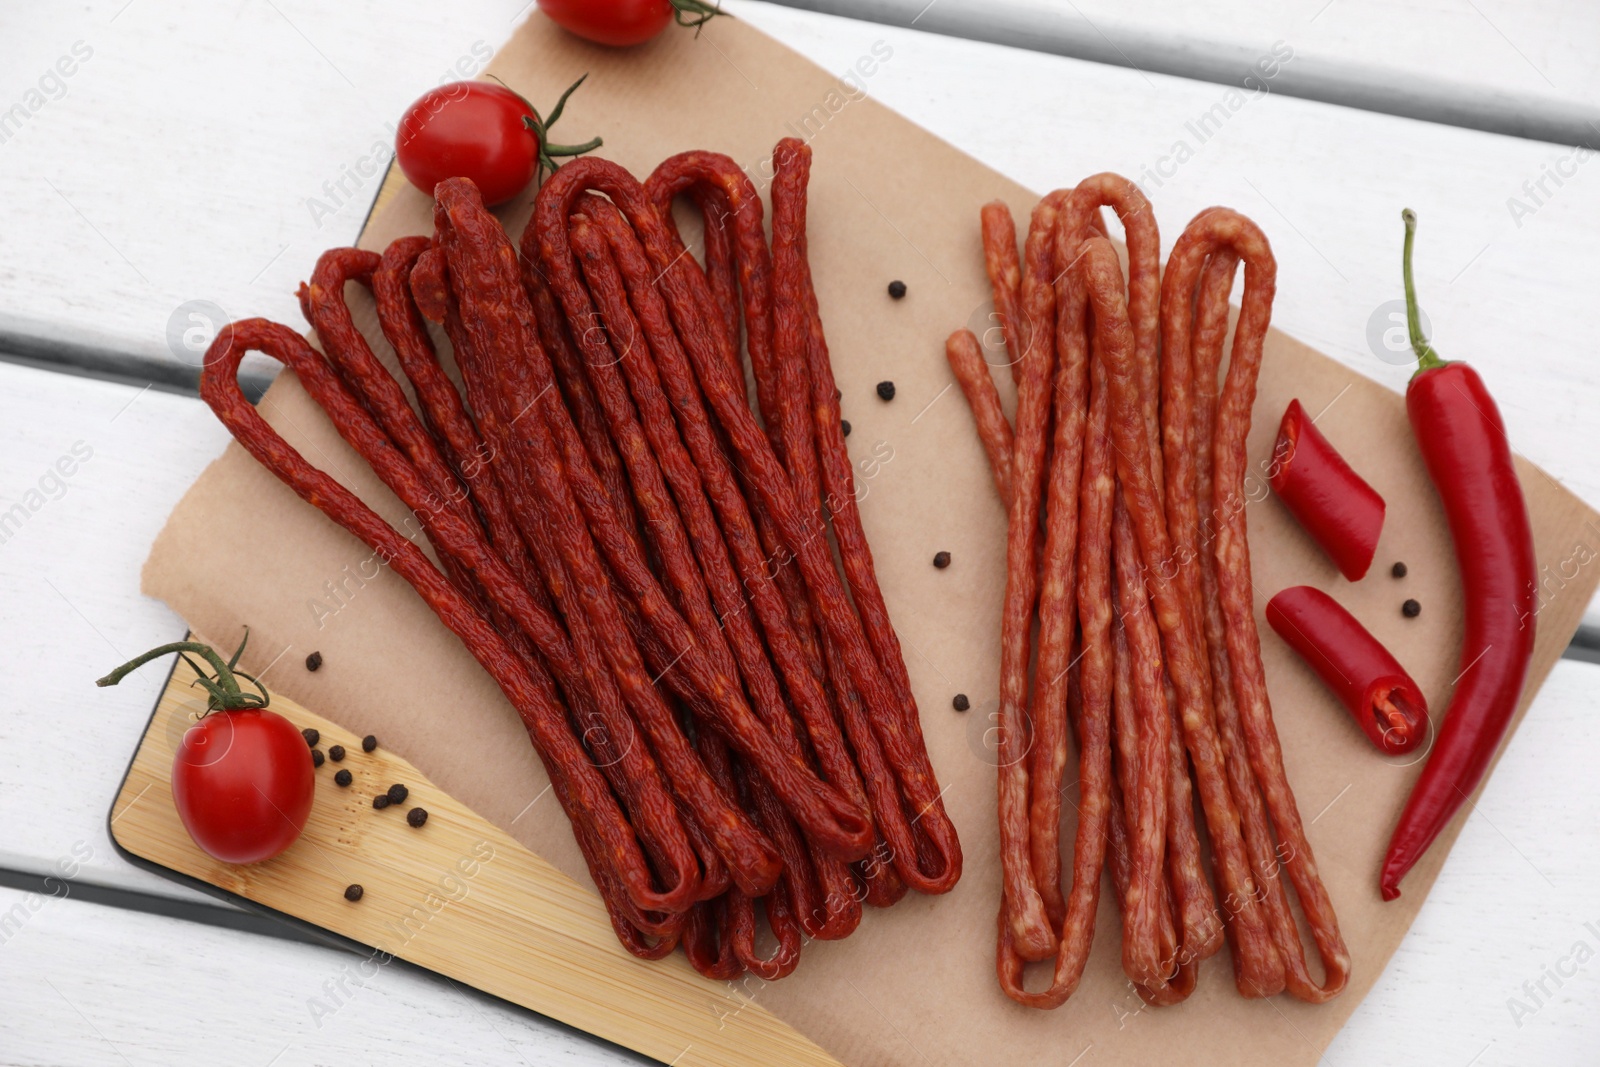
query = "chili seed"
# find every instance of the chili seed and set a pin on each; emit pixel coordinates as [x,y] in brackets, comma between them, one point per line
[369,743]
[1398,570]
[398,793]
[844,427]
[885,390]
[311,736]
[416,816]
[353,893]
[1411,609]
[941,560]
[897,288]
[336,753]
[961,703]
[316,757]
[343,778]
[313,661]
[380,801]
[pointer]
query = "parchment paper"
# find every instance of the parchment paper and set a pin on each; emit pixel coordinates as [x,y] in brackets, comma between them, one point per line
[916,984]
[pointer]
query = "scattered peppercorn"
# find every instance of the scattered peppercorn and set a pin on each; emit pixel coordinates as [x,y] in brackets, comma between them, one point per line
[316,757]
[313,661]
[897,288]
[398,793]
[416,816]
[1398,570]
[311,736]
[369,743]
[885,390]
[353,893]
[343,778]
[336,753]
[1411,609]
[380,801]
[961,703]
[844,427]
[941,560]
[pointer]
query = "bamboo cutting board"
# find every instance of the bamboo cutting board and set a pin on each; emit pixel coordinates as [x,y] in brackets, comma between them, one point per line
[456,895]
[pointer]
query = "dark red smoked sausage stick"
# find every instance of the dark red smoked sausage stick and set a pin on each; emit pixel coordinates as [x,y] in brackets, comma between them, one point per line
[567,763]
[707,346]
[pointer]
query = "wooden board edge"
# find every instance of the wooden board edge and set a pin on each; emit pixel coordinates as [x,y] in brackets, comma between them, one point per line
[485,910]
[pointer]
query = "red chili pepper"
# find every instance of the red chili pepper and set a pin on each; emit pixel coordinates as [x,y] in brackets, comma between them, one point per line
[1336,507]
[1463,442]
[1370,682]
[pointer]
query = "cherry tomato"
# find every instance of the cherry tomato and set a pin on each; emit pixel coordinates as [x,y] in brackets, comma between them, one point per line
[624,22]
[243,782]
[469,130]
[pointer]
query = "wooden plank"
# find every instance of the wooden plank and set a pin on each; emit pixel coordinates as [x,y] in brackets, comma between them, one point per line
[1525,70]
[96,467]
[1509,292]
[458,896]
[88,984]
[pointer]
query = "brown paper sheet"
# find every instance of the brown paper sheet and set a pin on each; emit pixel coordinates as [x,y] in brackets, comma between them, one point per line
[916,984]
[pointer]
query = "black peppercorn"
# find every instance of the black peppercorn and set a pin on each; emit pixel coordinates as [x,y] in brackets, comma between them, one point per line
[885,390]
[313,661]
[416,816]
[343,778]
[941,560]
[897,288]
[369,743]
[336,753]
[353,893]
[1398,570]
[398,793]
[961,703]
[311,736]
[380,801]
[316,757]
[844,427]
[1411,609]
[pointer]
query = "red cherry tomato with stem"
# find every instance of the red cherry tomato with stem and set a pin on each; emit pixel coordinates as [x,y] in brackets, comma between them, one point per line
[242,778]
[621,23]
[481,131]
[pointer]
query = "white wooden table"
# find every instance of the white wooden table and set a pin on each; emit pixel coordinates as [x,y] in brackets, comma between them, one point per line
[177,163]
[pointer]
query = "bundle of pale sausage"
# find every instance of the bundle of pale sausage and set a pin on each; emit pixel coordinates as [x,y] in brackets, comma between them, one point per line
[641,564]
[1128,588]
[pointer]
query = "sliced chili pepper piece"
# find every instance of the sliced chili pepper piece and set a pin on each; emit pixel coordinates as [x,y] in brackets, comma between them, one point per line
[1333,503]
[1368,681]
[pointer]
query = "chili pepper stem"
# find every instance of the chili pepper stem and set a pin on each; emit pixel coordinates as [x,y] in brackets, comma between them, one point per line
[1427,358]
[226,695]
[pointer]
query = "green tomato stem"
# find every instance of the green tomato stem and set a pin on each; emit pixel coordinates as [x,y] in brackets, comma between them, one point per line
[226,695]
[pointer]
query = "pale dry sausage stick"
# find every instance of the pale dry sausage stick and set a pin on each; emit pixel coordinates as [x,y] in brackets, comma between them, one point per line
[1212,229]
[1259,964]
[1030,932]
[994,432]
[1058,575]
[1005,276]
[1148,760]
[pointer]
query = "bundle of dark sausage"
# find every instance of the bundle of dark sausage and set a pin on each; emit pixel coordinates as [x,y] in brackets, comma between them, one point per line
[1128,455]
[643,566]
